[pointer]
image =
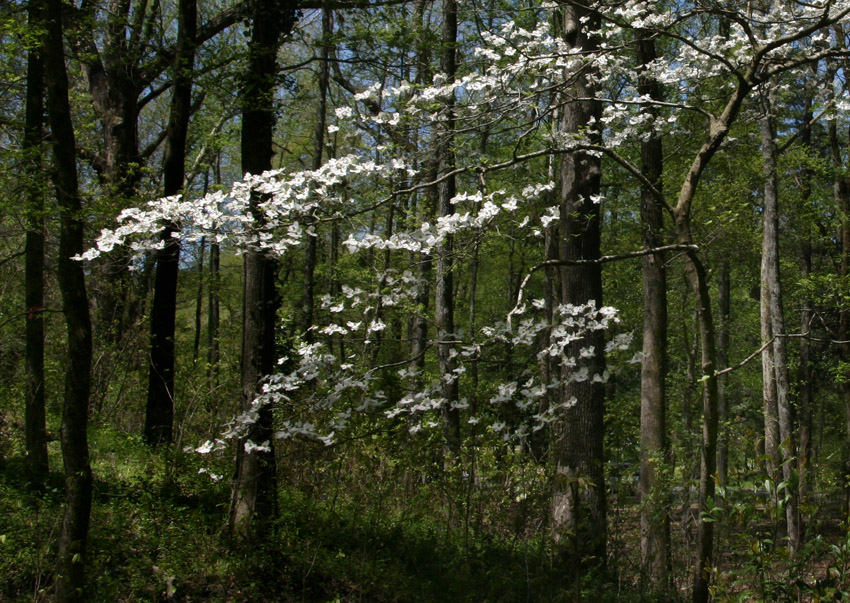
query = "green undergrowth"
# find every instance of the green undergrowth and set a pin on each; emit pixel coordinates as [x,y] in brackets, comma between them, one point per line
[158,533]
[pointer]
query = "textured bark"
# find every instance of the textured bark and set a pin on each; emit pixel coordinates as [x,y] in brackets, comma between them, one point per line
[253,495]
[159,415]
[70,580]
[444,290]
[578,498]
[36,429]
[769,412]
[655,502]
[772,283]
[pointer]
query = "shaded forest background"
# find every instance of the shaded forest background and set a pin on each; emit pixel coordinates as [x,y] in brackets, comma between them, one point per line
[530,302]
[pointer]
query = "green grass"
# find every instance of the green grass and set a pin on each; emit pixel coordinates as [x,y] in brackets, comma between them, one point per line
[157,533]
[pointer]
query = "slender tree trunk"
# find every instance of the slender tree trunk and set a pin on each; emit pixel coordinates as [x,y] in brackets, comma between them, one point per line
[805,375]
[427,203]
[655,501]
[770,250]
[578,498]
[769,409]
[724,311]
[444,302]
[70,581]
[159,415]
[199,301]
[307,300]
[36,428]
[841,191]
[213,313]
[253,495]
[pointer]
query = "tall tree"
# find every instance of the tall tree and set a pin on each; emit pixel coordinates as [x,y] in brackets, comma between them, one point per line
[444,289]
[36,428]
[578,499]
[307,301]
[70,581]
[116,44]
[654,513]
[253,495]
[772,284]
[159,416]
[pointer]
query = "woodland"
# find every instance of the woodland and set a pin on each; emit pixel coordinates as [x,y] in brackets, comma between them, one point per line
[424,300]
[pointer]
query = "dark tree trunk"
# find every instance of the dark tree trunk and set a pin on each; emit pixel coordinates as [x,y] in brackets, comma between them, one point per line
[655,502]
[444,290]
[805,375]
[36,429]
[253,495]
[159,416]
[578,499]
[841,191]
[308,301]
[199,301]
[213,314]
[70,581]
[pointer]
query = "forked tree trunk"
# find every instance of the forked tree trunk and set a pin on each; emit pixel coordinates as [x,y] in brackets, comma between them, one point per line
[70,580]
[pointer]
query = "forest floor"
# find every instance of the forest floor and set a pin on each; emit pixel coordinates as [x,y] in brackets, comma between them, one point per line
[158,534]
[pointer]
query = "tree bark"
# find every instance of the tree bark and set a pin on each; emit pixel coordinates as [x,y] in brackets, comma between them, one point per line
[36,428]
[159,415]
[444,290]
[655,502]
[253,495]
[578,499]
[70,581]
[772,283]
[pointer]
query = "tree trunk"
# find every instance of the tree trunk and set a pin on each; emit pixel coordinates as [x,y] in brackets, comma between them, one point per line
[770,252]
[36,429]
[655,502]
[841,191]
[70,581]
[805,376]
[199,301]
[253,495]
[213,313]
[444,302]
[307,301]
[159,415]
[724,311]
[578,498]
